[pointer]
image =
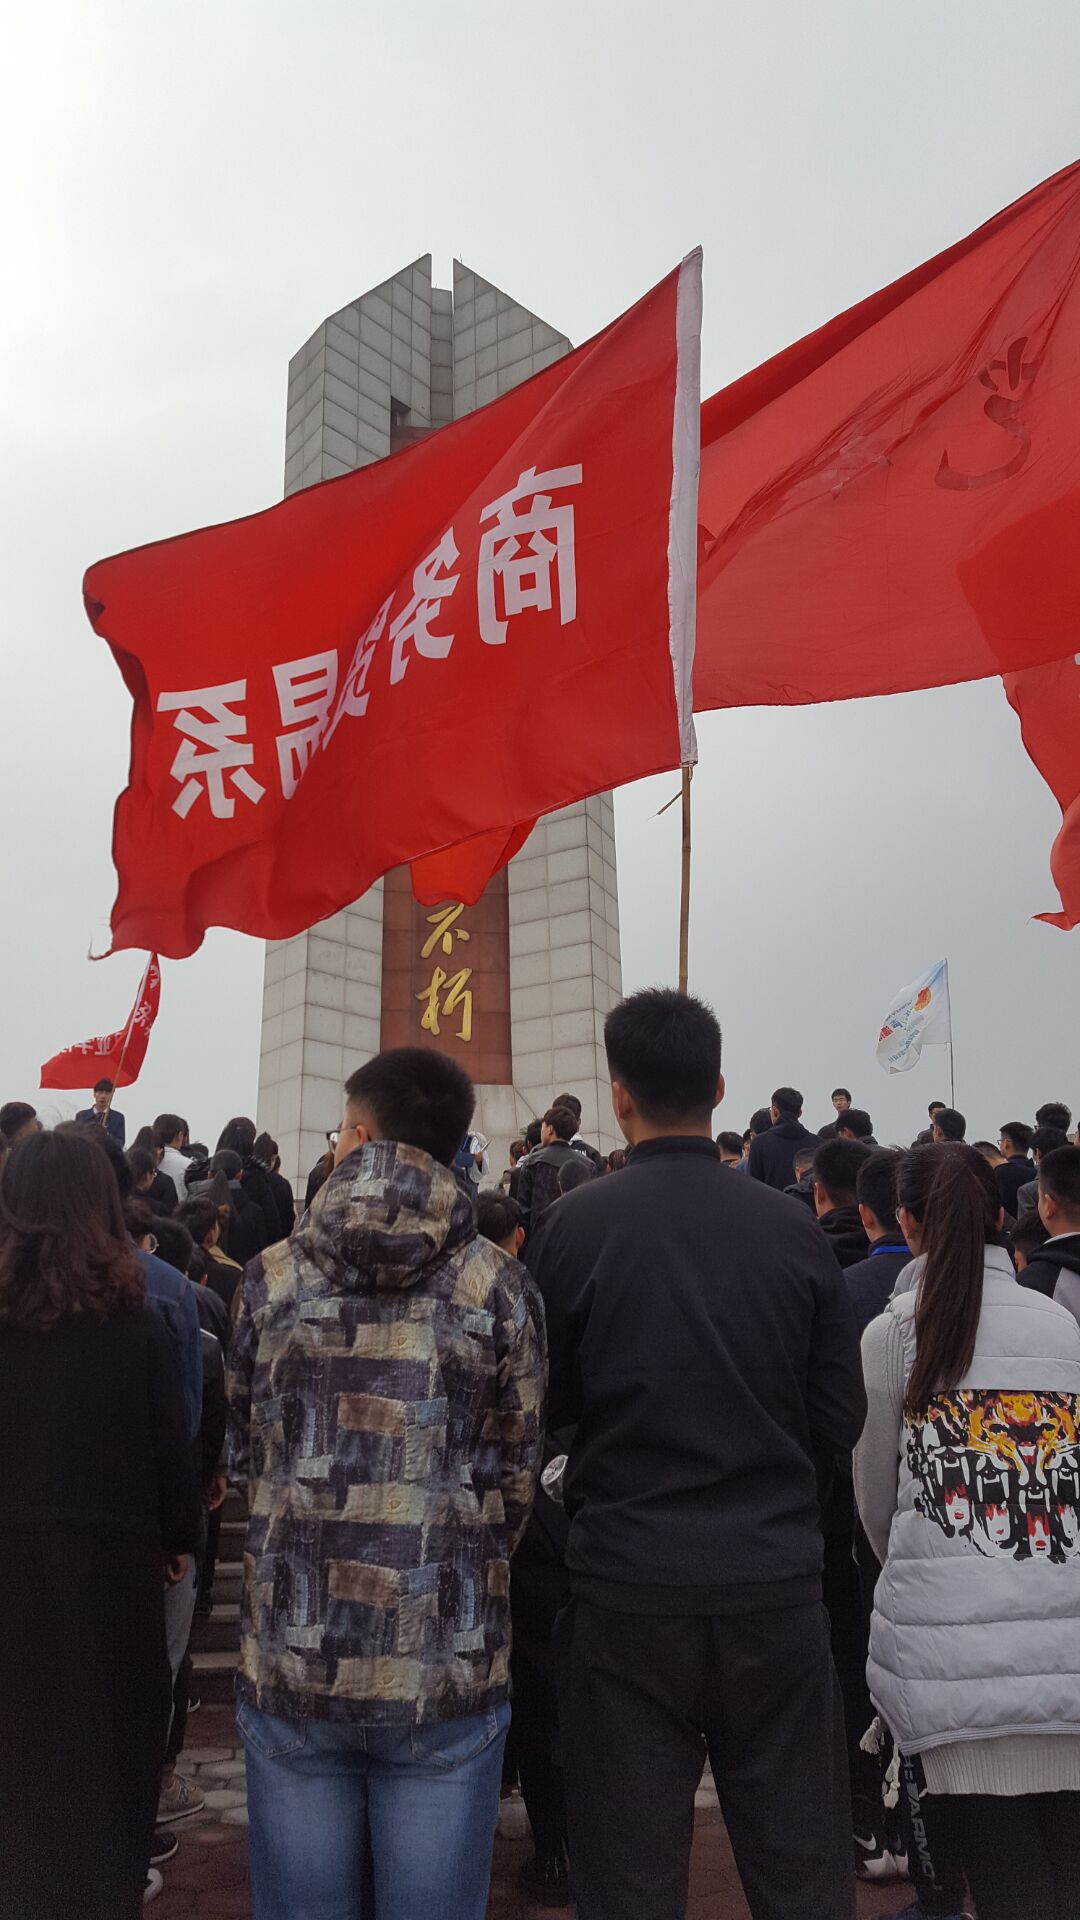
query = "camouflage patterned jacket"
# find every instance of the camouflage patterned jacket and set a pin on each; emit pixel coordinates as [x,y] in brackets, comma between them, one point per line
[386,1387]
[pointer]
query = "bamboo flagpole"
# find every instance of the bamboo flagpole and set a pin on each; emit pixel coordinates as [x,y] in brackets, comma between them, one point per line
[684,894]
[128,1031]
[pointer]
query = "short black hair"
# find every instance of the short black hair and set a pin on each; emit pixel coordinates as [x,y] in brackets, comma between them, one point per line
[518,1150]
[1054,1114]
[836,1168]
[568,1100]
[532,1134]
[1046,1140]
[1059,1176]
[13,1115]
[1019,1133]
[174,1243]
[875,1184]
[576,1172]
[665,1047]
[105,1086]
[802,1160]
[497,1216]
[952,1123]
[988,1150]
[859,1122]
[760,1121]
[789,1101]
[1028,1234]
[166,1128]
[562,1121]
[936,1106]
[138,1218]
[103,1140]
[730,1142]
[140,1162]
[416,1096]
[198,1216]
[841,1093]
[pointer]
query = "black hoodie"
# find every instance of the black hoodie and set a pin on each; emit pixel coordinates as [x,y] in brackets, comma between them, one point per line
[772,1155]
[1045,1264]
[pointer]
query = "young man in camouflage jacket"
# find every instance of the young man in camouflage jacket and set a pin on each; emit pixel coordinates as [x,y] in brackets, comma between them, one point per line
[386,1391]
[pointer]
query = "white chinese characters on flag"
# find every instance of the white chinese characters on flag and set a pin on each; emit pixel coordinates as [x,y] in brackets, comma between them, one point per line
[419,658]
[112,1056]
[919,1016]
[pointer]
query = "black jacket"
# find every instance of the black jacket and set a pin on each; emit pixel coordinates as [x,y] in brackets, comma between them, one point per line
[701,1339]
[539,1183]
[871,1281]
[1045,1264]
[1011,1176]
[160,1195]
[845,1234]
[772,1155]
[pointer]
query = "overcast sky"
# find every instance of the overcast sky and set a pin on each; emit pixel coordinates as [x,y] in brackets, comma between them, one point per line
[189,190]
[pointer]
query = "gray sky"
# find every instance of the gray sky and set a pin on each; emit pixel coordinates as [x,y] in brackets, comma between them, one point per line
[188,191]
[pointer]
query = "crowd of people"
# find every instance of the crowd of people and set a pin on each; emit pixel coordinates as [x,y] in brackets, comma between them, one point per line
[576,1479]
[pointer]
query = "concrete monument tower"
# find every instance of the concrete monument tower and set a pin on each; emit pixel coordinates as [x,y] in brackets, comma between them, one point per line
[517,986]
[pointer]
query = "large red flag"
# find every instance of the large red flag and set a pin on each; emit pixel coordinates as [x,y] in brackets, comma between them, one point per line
[848,483]
[1047,700]
[113,1056]
[492,624]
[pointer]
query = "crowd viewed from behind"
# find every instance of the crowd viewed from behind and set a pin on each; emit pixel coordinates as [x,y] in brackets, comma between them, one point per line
[576,1479]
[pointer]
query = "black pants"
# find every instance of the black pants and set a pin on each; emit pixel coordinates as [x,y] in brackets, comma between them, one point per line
[536,1595]
[849,1628]
[1021,1856]
[642,1697]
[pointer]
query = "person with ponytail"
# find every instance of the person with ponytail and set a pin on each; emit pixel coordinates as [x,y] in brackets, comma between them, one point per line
[967,1479]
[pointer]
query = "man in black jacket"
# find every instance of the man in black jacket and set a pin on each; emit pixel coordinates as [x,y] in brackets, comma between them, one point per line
[539,1182]
[836,1169]
[1016,1169]
[772,1156]
[870,1282]
[702,1345]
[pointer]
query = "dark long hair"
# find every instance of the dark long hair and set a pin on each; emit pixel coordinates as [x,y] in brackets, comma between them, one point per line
[64,1247]
[953,1194]
[237,1136]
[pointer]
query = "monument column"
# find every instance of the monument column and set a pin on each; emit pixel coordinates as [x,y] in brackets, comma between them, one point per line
[517,986]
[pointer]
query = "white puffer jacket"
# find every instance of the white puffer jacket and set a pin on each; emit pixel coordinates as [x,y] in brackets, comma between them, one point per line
[976,1629]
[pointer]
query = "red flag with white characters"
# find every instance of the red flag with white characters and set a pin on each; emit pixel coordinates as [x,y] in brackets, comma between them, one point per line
[113,1056]
[856,488]
[491,624]
[1047,701]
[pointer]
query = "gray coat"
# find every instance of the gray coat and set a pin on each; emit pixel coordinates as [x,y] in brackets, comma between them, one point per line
[977,1613]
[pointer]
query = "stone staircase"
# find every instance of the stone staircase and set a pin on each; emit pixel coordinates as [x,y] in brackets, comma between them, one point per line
[215,1639]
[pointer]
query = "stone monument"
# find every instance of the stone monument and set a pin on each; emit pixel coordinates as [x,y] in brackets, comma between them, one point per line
[517,986]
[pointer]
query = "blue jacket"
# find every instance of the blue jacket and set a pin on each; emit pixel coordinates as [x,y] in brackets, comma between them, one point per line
[172,1295]
[115,1125]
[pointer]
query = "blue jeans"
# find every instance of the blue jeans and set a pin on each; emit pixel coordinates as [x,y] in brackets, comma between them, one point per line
[425,1799]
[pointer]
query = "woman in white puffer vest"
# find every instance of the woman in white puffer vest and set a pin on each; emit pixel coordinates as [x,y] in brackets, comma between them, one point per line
[968,1484]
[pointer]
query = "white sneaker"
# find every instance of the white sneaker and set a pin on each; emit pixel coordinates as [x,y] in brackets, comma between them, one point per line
[154,1884]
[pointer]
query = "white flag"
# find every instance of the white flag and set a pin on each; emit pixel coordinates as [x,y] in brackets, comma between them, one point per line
[918,1015]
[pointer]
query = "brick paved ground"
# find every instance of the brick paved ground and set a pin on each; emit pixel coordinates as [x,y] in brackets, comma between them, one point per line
[208,1878]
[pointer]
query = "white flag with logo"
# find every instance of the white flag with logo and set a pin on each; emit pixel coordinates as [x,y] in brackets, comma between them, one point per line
[918,1016]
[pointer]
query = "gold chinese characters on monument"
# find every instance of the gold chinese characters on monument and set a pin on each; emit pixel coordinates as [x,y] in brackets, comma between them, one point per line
[446,993]
[446,977]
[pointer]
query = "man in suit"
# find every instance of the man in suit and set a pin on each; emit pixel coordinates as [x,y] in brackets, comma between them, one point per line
[104,1114]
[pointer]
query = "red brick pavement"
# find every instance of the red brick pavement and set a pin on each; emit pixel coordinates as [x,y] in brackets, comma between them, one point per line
[208,1878]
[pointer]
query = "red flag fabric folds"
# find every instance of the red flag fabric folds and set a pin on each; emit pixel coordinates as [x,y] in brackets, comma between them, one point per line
[491,624]
[113,1056]
[1047,701]
[851,483]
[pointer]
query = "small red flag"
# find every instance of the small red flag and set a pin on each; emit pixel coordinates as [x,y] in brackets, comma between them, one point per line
[853,488]
[1047,701]
[494,623]
[113,1056]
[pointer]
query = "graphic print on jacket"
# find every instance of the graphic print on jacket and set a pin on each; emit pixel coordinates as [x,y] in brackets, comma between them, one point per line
[1001,1471]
